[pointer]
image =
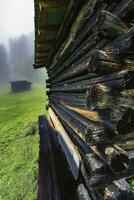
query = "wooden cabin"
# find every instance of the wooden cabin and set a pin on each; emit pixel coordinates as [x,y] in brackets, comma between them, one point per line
[20,86]
[87,47]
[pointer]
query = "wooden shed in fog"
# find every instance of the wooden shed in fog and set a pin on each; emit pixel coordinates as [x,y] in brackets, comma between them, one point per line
[20,86]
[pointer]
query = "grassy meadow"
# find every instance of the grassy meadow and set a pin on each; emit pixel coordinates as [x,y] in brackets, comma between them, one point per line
[19,142]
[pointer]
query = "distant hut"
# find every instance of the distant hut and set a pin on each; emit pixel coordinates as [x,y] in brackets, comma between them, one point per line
[20,86]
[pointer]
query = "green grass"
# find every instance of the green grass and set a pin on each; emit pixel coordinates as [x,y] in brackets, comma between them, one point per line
[19,142]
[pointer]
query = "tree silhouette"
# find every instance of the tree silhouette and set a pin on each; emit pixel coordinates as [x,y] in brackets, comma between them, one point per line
[4,66]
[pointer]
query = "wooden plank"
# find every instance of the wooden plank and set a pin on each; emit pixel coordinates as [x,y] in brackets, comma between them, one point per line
[109,25]
[88,130]
[123,44]
[118,81]
[48,186]
[75,79]
[71,153]
[82,193]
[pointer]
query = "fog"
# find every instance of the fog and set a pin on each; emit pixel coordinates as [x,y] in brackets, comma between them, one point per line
[16,18]
[16,61]
[17,42]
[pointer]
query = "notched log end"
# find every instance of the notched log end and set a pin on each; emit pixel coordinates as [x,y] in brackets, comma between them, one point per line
[94,164]
[120,163]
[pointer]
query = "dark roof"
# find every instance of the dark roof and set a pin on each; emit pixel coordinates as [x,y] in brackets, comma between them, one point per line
[20,81]
[49,15]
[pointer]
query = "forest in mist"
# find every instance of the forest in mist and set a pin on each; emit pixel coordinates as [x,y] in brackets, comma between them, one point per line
[16,61]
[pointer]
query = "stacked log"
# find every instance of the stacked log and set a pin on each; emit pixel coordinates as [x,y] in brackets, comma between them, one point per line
[90,78]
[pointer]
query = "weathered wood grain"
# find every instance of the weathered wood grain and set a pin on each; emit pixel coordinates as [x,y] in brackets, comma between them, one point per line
[109,25]
[118,81]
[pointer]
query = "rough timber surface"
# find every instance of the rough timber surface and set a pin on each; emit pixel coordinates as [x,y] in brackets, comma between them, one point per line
[88,50]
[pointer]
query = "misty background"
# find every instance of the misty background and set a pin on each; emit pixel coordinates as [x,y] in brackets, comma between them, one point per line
[17,42]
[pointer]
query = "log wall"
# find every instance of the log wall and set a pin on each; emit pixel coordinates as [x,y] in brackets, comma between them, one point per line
[91,97]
